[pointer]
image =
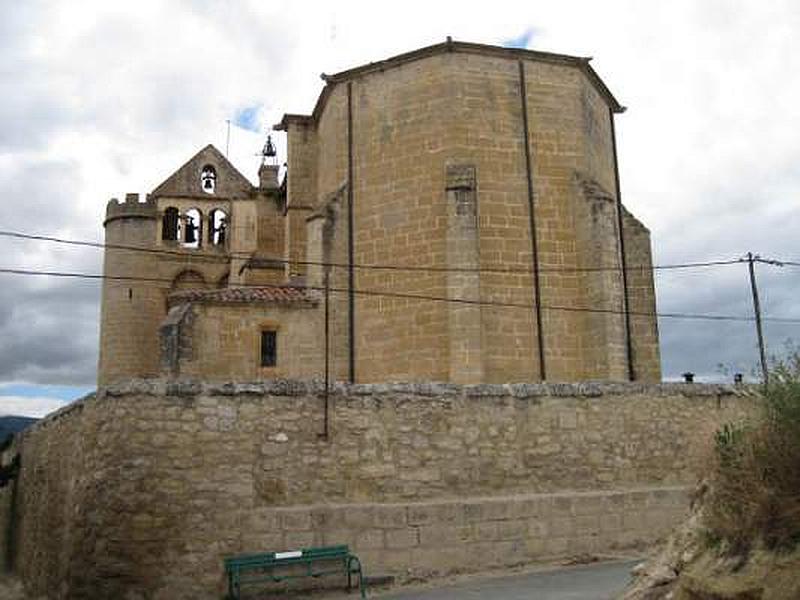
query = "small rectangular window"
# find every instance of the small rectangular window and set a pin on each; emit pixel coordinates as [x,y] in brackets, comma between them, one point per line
[269,348]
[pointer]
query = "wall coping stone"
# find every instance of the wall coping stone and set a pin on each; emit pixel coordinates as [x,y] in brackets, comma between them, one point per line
[189,388]
[300,387]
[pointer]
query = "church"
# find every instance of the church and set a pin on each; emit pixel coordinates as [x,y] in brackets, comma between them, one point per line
[451,214]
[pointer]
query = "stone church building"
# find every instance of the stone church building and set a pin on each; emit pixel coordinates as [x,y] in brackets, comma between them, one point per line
[450,214]
[447,215]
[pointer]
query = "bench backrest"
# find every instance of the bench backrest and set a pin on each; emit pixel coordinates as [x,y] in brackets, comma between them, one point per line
[285,558]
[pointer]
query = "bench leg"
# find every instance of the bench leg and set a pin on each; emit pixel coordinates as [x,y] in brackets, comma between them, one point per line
[233,587]
[357,569]
[233,590]
[361,584]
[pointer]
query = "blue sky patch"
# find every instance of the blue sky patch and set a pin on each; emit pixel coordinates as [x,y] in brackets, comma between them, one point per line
[62,392]
[247,118]
[522,41]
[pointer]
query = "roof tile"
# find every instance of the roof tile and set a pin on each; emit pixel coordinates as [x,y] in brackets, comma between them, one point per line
[278,294]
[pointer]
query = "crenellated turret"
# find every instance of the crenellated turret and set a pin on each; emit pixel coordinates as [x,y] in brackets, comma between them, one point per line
[131,208]
[133,296]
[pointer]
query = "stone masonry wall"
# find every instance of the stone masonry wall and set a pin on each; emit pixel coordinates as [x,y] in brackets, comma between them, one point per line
[642,298]
[45,499]
[411,124]
[224,341]
[141,490]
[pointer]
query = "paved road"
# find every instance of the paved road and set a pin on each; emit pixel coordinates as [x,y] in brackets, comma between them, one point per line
[587,582]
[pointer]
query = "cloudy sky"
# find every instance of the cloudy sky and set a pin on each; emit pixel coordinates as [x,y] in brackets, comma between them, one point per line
[103,98]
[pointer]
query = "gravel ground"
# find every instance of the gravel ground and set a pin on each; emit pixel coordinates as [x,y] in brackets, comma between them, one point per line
[10,589]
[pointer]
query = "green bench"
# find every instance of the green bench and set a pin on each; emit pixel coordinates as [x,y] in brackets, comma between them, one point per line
[308,562]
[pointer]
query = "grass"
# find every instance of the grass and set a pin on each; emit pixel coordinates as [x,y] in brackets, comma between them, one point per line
[755,479]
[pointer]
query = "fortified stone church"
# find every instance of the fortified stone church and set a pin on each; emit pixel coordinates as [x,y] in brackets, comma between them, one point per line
[450,214]
[447,216]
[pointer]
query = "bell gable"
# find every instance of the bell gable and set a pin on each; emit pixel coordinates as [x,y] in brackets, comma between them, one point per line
[207,174]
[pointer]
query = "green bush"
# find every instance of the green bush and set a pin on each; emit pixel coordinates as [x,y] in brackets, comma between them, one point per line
[755,483]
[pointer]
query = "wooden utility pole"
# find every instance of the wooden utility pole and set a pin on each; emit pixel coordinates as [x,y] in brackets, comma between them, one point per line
[751,260]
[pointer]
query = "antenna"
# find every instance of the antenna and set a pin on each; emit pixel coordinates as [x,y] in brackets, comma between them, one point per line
[228,138]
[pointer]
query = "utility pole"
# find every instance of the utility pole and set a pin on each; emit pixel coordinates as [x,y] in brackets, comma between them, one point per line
[751,260]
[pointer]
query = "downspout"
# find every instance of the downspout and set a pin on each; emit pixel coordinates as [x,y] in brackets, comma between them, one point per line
[351,300]
[622,258]
[326,396]
[537,292]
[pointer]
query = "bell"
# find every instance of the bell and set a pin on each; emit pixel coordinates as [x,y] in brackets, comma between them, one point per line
[269,148]
[191,231]
[208,184]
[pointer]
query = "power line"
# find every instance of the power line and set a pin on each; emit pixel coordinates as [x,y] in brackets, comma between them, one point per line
[421,297]
[220,257]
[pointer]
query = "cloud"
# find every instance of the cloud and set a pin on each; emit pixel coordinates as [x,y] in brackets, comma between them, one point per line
[50,330]
[29,406]
[522,41]
[37,400]
[102,98]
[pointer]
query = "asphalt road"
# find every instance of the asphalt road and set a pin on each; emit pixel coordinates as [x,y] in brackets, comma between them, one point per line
[603,581]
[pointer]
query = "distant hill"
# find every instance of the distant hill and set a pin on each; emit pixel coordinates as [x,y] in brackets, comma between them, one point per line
[12,424]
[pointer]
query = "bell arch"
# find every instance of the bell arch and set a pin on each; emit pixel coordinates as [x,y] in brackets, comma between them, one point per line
[217,227]
[170,224]
[193,228]
[208,179]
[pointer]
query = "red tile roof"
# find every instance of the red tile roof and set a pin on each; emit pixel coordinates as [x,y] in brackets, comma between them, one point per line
[280,294]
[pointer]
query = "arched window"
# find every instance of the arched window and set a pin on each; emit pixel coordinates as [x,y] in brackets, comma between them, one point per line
[169,224]
[208,179]
[217,227]
[193,228]
[189,280]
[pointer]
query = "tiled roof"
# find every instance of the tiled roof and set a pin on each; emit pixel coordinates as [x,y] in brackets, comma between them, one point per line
[278,294]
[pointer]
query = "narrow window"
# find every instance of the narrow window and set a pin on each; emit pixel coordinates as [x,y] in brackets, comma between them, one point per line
[269,348]
[169,224]
[208,179]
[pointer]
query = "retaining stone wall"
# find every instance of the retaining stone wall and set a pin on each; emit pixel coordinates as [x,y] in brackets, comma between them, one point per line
[139,491]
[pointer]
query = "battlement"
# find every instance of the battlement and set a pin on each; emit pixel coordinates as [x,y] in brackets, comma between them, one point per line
[131,207]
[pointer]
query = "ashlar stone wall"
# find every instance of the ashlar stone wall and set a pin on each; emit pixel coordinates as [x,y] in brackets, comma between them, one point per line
[140,490]
[406,129]
[223,341]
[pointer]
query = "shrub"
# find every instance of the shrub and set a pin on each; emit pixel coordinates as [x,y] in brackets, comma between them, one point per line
[755,482]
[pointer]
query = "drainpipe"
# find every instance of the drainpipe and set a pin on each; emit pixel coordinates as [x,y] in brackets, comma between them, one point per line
[537,292]
[351,300]
[622,258]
